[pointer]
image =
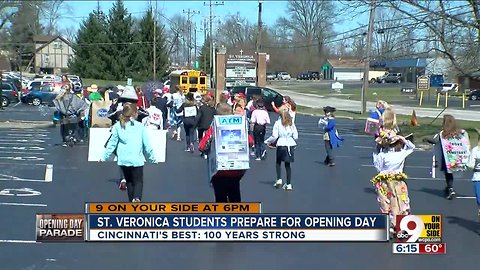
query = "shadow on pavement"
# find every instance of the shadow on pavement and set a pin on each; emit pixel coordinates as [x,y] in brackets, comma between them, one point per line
[369,190]
[465,223]
[436,192]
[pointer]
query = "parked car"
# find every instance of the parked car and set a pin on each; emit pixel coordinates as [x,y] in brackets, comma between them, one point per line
[34,83]
[40,94]
[267,94]
[14,81]
[9,94]
[283,76]
[474,94]
[303,76]
[447,87]
[390,78]
[271,76]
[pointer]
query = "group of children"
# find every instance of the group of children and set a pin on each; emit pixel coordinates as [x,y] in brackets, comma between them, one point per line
[392,149]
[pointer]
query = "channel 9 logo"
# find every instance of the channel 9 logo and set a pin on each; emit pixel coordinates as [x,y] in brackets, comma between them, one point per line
[419,229]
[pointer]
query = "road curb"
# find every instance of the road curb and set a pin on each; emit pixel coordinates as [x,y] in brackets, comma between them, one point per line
[25,124]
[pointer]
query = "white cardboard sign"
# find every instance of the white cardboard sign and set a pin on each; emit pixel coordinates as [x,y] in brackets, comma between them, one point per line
[99,137]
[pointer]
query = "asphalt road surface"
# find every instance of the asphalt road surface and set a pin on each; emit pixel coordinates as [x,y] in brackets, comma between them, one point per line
[317,189]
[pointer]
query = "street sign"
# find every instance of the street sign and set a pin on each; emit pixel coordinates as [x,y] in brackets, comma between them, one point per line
[197,65]
[337,86]
[324,67]
[423,83]
[130,82]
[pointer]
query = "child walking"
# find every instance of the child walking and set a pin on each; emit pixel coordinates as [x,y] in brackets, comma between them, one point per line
[331,137]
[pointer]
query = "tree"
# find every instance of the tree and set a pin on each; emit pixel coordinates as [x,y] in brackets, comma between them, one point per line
[236,32]
[91,58]
[7,11]
[25,24]
[204,56]
[143,60]
[310,23]
[52,11]
[120,35]
[177,43]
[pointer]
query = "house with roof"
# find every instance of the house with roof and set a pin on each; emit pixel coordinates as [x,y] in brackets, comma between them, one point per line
[52,54]
[343,69]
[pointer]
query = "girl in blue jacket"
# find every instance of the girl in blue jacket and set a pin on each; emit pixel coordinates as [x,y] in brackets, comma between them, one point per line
[331,137]
[129,139]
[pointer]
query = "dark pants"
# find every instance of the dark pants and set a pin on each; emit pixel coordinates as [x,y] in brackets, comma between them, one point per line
[65,130]
[189,133]
[330,153]
[227,189]
[449,179]
[201,133]
[134,178]
[259,138]
[278,167]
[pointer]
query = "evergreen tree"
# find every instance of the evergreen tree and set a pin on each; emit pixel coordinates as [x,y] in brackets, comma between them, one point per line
[120,34]
[204,57]
[91,58]
[24,25]
[143,58]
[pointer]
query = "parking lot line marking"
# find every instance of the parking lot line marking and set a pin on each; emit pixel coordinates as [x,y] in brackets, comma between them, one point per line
[30,153]
[49,173]
[22,164]
[25,204]
[23,180]
[462,197]
[19,241]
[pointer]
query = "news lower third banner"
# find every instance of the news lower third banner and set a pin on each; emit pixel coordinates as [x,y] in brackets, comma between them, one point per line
[210,222]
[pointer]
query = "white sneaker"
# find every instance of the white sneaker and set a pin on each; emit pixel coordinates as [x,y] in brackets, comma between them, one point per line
[205,156]
[287,187]
[278,183]
[258,158]
[136,200]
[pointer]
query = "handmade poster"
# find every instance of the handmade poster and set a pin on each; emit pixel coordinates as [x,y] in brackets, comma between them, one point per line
[372,126]
[99,137]
[230,149]
[456,152]
[99,113]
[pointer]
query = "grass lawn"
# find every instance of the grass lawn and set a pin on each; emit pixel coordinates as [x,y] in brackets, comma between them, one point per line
[388,93]
[426,128]
[103,83]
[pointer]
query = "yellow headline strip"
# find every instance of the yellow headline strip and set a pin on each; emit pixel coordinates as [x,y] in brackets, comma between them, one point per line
[177,208]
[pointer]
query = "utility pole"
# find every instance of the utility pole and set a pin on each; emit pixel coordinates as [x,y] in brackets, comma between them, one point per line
[212,50]
[155,43]
[368,54]
[204,42]
[259,34]
[190,14]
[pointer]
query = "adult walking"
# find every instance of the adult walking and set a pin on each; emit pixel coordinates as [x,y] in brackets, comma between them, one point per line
[72,110]
[129,140]
[205,116]
[284,135]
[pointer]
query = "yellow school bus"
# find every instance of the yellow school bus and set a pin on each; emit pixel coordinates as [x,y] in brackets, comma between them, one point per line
[189,81]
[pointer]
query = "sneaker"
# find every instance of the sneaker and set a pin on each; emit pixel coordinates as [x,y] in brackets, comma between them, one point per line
[205,156]
[123,185]
[287,186]
[179,139]
[64,144]
[451,194]
[331,164]
[136,200]
[187,149]
[174,134]
[264,153]
[278,183]
[192,149]
[258,158]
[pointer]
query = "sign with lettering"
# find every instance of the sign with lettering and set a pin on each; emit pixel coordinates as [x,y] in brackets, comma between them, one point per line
[423,83]
[456,152]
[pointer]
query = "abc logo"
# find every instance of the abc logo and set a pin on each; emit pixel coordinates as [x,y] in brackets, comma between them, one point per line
[403,235]
[102,112]
[409,228]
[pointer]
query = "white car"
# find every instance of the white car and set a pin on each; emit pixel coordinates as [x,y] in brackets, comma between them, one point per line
[447,87]
[284,76]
